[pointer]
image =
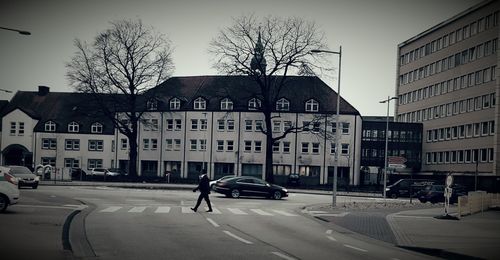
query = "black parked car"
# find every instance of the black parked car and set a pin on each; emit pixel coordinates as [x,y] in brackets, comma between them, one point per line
[249,186]
[435,193]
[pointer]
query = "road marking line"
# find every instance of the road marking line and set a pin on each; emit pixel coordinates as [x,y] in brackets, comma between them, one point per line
[237,237]
[111,209]
[261,212]
[284,213]
[283,256]
[355,248]
[237,211]
[44,206]
[329,232]
[137,209]
[331,238]
[162,209]
[212,222]
[343,214]
[410,216]
[214,210]
[186,210]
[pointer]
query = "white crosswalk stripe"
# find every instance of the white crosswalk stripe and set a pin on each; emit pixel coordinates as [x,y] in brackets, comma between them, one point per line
[214,210]
[111,209]
[284,213]
[137,209]
[162,209]
[186,210]
[261,212]
[237,211]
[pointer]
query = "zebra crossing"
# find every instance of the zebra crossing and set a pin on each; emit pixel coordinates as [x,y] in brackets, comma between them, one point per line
[187,210]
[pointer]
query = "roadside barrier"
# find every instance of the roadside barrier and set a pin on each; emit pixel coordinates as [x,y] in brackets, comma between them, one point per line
[477,201]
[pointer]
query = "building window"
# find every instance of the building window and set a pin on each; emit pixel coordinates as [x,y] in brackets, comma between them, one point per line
[283,105]
[259,125]
[49,143]
[258,146]
[96,145]
[123,143]
[94,163]
[248,125]
[221,124]
[178,124]
[13,126]
[177,144]
[203,124]
[276,126]
[254,104]
[345,149]
[194,124]
[230,125]
[276,147]
[248,146]
[229,145]
[332,148]
[220,145]
[73,127]
[21,129]
[226,104]
[315,148]
[152,104]
[194,144]
[49,161]
[50,126]
[170,124]
[154,144]
[305,148]
[175,104]
[169,145]
[286,147]
[203,144]
[72,144]
[71,163]
[200,104]
[316,126]
[96,128]
[312,105]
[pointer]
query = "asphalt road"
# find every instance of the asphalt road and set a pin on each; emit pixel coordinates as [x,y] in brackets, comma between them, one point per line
[158,224]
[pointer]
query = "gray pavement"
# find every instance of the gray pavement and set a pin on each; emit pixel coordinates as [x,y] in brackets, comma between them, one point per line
[408,225]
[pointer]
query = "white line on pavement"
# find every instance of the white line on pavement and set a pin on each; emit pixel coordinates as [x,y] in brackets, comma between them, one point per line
[137,209]
[237,211]
[261,212]
[329,232]
[214,211]
[355,248]
[410,216]
[283,256]
[284,213]
[237,237]
[111,209]
[45,206]
[331,238]
[186,210]
[163,209]
[212,222]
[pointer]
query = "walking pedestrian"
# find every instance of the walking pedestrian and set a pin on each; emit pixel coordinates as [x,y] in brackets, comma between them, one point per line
[204,188]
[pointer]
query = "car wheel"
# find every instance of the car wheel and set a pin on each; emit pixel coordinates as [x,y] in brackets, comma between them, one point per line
[3,203]
[276,195]
[394,196]
[235,193]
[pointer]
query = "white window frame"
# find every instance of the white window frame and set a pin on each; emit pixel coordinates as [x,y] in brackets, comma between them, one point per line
[175,104]
[73,127]
[226,104]
[50,126]
[96,128]
[282,105]
[199,104]
[312,105]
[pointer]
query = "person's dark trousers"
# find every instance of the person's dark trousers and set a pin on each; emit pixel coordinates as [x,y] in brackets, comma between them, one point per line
[207,199]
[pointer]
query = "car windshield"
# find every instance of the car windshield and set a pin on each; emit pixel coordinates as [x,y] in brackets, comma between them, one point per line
[20,170]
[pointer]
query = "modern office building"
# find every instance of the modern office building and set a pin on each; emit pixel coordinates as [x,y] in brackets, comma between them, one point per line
[404,143]
[448,81]
[190,124]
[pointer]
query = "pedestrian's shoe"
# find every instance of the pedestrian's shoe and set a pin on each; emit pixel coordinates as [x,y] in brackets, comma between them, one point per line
[193,209]
[210,210]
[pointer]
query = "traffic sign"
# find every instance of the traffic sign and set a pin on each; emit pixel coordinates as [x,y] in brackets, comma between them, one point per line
[396,166]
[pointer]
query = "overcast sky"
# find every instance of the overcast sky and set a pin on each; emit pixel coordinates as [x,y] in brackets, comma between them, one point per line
[368,30]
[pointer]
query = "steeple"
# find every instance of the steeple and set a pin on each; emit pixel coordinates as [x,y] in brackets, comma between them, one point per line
[258,62]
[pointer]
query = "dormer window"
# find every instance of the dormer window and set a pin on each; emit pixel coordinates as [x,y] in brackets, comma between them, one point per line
[200,104]
[175,104]
[73,127]
[283,105]
[96,128]
[312,105]
[226,104]
[152,104]
[254,104]
[50,126]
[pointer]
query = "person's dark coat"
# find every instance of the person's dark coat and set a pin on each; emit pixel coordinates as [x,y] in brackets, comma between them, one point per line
[204,185]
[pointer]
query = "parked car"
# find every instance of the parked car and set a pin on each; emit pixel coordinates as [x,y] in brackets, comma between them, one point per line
[212,183]
[78,174]
[9,193]
[102,171]
[435,193]
[23,175]
[402,187]
[249,186]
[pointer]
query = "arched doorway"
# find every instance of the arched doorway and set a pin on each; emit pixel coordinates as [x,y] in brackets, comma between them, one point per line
[16,154]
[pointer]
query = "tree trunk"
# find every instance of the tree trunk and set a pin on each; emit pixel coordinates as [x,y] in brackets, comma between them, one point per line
[268,169]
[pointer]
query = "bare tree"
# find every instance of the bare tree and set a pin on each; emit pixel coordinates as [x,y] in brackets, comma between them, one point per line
[268,50]
[121,64]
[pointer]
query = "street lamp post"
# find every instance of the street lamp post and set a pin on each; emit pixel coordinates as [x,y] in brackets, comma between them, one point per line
[337,130]
[15,30]
[386,140]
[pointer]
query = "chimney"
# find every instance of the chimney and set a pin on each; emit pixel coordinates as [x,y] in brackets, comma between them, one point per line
[43,90]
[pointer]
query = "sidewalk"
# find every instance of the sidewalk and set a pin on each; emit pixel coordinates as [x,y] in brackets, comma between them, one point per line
[472,236]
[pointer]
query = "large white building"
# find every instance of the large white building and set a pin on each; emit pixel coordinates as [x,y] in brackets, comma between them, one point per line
[190,121]
[448,80]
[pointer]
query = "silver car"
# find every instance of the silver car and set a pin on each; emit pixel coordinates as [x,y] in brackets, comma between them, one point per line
[24,176]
